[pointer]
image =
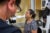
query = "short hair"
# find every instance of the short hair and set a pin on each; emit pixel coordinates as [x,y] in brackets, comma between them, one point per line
[17,2]
[3,1]
[32,13]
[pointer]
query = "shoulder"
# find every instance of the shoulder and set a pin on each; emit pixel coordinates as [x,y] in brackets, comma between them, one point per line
[34,22]
[34,25]
[15,29]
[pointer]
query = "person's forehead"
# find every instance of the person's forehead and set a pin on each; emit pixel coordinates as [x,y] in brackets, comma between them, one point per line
[12,0]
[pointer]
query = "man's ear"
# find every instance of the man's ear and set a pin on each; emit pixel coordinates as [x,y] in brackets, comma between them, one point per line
[10,5]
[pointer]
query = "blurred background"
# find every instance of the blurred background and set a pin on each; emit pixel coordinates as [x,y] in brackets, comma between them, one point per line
[42,10]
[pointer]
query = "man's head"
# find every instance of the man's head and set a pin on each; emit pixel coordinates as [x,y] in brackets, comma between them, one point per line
[8,7]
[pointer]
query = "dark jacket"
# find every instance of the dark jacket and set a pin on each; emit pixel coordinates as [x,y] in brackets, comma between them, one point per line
[5,28]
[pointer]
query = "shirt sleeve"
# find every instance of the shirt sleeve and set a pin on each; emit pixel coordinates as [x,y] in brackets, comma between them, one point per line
[34,26]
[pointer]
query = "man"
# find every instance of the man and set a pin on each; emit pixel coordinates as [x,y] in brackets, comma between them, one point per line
[7,10]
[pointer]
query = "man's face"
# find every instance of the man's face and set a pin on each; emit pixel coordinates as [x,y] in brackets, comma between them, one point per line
[11,8]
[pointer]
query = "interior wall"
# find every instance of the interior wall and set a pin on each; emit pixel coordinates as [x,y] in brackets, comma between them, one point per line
[25,5]
[37,7]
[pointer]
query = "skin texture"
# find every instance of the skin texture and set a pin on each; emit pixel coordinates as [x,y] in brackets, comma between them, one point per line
[27,15]
[7,9]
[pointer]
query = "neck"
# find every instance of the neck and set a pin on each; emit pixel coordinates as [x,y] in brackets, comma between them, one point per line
[29,19]
[2,15]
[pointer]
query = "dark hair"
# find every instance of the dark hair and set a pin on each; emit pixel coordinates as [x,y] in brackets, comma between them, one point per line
[32,13]
[17,2]
[44,17]
[3,1]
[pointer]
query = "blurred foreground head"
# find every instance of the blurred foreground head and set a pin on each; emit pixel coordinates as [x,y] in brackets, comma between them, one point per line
[8,7]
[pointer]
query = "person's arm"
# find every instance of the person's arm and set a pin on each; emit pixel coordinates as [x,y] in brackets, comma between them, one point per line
[34,27]
[34,31]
